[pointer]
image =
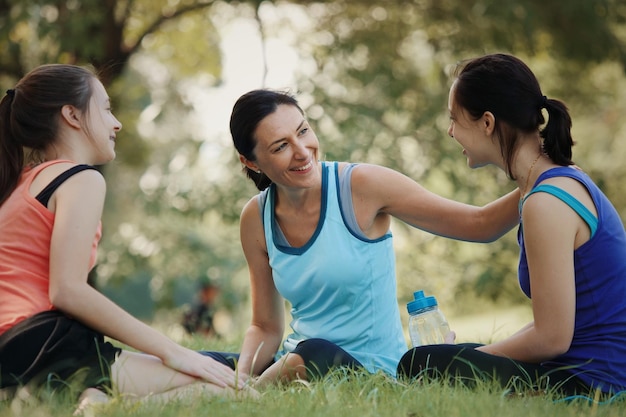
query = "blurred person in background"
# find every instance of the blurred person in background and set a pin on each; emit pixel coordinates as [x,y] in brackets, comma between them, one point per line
[199,317]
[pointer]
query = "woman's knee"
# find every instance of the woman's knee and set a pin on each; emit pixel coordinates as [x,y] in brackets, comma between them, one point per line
[141,374]
[434,360]
[321,355]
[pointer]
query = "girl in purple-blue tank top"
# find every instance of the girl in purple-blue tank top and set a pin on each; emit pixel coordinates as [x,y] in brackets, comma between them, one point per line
[572,241]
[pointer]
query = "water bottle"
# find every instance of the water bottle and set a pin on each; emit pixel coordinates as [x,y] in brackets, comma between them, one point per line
[427,324]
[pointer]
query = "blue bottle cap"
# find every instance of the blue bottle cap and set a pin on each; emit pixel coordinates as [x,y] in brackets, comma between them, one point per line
[420,302]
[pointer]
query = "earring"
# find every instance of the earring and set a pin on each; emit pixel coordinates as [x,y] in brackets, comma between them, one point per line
[258,172]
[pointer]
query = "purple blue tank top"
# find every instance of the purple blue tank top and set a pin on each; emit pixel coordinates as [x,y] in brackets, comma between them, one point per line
[597,354]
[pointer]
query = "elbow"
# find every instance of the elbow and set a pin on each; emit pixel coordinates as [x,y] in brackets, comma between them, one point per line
[57,300]
[489,239]
[562,347]
[490,232]
[482,230]
[61,297]
[485,236]
[269,331]
[555,347]
[491,228]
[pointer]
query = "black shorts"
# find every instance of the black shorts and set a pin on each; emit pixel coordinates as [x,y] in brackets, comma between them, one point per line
[52,350]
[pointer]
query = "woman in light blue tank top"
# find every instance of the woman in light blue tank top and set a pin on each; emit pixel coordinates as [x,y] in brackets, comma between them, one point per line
[572,240]
[318,236]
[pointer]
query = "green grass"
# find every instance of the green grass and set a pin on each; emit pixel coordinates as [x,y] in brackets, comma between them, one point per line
[340,394]
[343,394]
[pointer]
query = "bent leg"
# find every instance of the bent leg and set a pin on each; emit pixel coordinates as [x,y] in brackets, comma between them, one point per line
[320,356]
[311,359]
[139,375]
[465,364]
[288,368]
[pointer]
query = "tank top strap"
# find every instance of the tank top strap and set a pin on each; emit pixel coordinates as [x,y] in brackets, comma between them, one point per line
[567,198]
[44,196]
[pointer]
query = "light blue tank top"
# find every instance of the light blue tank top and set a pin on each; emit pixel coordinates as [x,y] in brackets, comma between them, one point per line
[341,285]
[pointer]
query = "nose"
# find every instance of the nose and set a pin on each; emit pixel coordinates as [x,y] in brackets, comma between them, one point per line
[118,125]
[450,131]
[300,150]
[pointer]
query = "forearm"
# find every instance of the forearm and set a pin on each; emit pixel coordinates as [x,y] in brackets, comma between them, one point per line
[258,350]
[527,345]
[96,311]
[499,216]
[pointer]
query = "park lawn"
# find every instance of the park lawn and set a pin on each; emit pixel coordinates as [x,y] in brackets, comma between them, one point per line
[341,394]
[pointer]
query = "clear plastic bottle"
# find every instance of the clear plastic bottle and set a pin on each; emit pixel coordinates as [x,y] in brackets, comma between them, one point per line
[427,324]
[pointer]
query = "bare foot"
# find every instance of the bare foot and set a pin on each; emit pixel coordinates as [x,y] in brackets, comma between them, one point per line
[90,399]
[450,337]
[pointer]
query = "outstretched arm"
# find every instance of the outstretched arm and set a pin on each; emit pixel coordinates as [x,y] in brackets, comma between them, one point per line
[379,191]
[78,207]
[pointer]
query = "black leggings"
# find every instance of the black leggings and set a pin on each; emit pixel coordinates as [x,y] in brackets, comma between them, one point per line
[319,356]
[467,365]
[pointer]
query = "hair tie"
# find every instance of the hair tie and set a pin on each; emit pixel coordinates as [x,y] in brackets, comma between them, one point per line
[544,102]
[11,92]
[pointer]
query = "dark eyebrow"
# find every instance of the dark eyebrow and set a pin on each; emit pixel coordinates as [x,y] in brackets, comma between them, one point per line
[281,139]
[300,125]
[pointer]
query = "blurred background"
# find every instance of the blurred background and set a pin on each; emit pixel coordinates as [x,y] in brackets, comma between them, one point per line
[373,77]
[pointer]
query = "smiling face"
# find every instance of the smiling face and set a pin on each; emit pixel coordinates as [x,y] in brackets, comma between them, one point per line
[286,149]
[475,136]
[102,124]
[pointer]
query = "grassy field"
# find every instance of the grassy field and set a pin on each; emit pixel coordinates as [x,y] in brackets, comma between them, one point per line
[342,395]
[345,395]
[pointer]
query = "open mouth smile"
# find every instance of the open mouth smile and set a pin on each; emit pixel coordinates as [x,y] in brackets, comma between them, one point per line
[305,167]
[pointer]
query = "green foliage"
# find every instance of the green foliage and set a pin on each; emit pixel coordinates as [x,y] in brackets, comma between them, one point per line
[375,86]
[380,96]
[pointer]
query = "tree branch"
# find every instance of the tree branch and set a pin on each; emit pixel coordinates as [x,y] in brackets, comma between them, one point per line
[162,19]
[263,41]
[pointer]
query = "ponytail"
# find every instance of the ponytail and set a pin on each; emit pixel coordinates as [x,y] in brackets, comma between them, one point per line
[505,86]
[29,116]
[557,137]
[261,181]
[11,152]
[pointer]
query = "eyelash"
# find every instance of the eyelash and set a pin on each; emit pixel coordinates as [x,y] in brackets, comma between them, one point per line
[282,145]
[279,147]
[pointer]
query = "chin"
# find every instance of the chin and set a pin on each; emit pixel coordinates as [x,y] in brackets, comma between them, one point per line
[475,165]
[105,159]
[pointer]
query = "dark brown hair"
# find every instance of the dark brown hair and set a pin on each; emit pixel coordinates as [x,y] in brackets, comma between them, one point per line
[505,86]
[247,113]
[29,115]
